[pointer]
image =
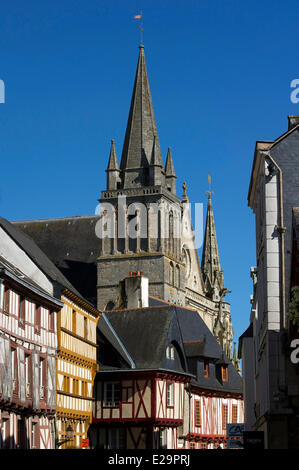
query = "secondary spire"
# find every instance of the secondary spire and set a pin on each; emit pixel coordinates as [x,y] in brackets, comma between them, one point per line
[210,264]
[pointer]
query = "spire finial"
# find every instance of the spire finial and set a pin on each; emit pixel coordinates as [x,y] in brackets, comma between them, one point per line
[209,192]
[140,26]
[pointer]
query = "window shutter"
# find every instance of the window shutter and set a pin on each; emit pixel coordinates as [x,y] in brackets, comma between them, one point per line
[6,382]
[51,382]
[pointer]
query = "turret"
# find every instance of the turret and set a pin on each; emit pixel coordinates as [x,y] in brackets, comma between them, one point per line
[113,171]
[170,176]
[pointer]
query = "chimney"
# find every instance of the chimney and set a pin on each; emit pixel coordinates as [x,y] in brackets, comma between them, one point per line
[293,121]
[135,290]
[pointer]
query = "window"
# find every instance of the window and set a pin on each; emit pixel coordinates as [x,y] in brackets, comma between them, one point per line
[85,328]
[178,277]
[13,368]
[37,319]
[41,377]
[170,394]
[170,351]
[163,439]
[51,320]
[4,434]
[206,373]
[6,300]
[22,441]
[34,435]
[74,329]
[192,445]
[111,394]
[27,374]
[235,413]
[66,384]
[224,416]
[171,274]
[197,413]
[21,310]
[116,438]
[224,371]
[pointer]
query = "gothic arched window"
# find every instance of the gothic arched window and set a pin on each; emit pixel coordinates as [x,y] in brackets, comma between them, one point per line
[171,273]
[178,276]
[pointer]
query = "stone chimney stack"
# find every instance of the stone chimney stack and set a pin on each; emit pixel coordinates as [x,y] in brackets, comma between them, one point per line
[135,290]
[293,121]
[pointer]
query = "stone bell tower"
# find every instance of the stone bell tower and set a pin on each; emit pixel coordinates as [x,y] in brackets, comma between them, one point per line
[141,210]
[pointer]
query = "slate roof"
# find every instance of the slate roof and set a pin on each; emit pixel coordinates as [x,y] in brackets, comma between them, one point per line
[13,272]
[37,255]
[72,246]
[146,332]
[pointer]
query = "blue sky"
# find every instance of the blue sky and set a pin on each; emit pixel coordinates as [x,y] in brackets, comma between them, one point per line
[220,75]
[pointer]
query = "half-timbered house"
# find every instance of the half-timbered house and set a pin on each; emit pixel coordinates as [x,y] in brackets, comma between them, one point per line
[47,348]
[28,344]
[76,367]
[151,378]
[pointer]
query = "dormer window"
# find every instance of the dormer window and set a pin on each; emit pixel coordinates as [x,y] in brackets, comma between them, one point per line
[170,352]
[224,373]
[206,372]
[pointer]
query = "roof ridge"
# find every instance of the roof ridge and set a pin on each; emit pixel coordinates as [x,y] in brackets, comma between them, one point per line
[53,219]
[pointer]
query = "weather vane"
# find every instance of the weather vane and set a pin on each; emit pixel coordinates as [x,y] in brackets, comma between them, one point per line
[140,26]
[209,192]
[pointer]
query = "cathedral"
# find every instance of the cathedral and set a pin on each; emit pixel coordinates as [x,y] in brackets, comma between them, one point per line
[143,226]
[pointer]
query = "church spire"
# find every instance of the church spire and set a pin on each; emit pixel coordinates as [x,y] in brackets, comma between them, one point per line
[113,170]
[211,269]
[170,176]
[141,133]
[113,163]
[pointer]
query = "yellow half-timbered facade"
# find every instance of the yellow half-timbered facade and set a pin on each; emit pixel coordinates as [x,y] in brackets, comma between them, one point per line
[76,367]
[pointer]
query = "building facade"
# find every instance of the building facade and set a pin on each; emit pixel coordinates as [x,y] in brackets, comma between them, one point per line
[28,348]
[159,368]
[271,387]
[76,367]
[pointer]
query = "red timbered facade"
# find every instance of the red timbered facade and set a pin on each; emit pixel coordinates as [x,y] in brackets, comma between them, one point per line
[144,408]
[163,381]
[210,412]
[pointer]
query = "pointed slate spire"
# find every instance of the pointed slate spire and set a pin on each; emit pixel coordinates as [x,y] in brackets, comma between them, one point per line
[169,168]
[170,176]
[235,359]
[211,269]
[113,171]
[140,132]
[113,163]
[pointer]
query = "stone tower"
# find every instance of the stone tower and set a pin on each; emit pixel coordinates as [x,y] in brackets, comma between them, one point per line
[145,226]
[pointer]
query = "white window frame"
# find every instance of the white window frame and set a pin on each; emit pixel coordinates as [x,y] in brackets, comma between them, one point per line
[170,393]
[113,402]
